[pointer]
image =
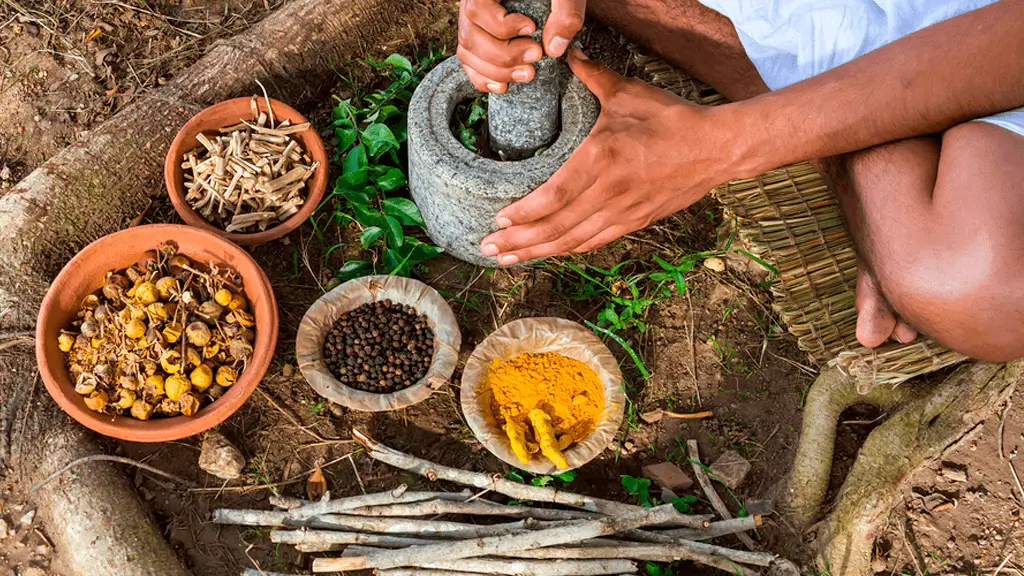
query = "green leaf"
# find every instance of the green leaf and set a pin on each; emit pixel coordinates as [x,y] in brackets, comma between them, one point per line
[399,62]
[379,139]
[369,236]
[345,137]
[542,481]
[403,210]
[477,112]
[367,217]
[516,476]
[638,487]
[393,179]
[353,269]
[655,569]
[393,230]
[355,160]
[566,477]
[394,263]
[681,505]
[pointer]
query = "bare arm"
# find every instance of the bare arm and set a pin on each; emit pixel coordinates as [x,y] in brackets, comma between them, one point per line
[963,68]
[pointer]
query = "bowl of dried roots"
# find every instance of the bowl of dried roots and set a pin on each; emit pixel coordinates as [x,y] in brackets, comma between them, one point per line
[156,332]
[250,169]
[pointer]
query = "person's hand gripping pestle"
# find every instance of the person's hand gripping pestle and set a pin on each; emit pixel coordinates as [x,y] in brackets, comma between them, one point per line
[500,44]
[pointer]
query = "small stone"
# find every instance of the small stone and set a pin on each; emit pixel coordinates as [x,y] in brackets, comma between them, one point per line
[667,475]
[220,457]
[878,564]
[998,537]
[953,474]
[783,567]
[5,173]
[652,417]
[763,507]
[288,370]
[667,496]
[982,542]
[32,571]
[628,447]
[42,549]
[715,264]
[26,520]
[5,529]
[731,468]
[336,410]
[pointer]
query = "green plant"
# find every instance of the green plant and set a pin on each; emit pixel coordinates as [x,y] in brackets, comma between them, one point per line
[524,477]
[370,193]
[319,407]
[640,488]
[469,118]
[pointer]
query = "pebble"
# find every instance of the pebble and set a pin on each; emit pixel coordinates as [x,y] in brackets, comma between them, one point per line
[26,520]
[5,529]
[652,417]
[5,173]
[715,264]
[668,476]
[288,370]
[336,410]
[731,468]
[220,457]
[879,564]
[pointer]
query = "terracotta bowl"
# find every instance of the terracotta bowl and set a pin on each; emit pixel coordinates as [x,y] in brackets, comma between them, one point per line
[84,275]
[229,113]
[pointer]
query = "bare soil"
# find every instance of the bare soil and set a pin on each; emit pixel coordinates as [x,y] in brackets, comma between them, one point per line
[716,348]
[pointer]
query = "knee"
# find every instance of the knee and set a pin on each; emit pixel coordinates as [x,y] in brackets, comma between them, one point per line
[966,301]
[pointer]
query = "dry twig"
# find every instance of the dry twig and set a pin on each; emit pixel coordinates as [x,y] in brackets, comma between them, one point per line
[107,458]
[709,491]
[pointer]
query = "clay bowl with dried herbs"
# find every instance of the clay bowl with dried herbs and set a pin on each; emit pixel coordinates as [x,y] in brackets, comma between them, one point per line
[249,169]
[204,302]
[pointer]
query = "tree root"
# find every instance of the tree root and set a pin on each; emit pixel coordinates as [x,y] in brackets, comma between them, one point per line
[932,421]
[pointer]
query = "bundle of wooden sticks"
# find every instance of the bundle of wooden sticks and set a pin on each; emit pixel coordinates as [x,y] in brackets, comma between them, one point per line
[398,533]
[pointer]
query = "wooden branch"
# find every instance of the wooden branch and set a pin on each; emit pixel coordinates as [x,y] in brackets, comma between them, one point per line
[699,548]
[515,566]
[330,538]
[474,508]
[716,529]
[576,531]
[255,572]
[496,483]
[709,491]
[377,499]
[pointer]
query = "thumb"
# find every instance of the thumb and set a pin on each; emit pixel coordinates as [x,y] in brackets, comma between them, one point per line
[596,77]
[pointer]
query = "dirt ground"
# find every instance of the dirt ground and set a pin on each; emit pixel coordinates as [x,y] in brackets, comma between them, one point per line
[716,348]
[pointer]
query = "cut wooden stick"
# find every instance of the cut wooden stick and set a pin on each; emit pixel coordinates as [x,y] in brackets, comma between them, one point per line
[377,499]
[495,483]
[569,532]
[474,508]
[685,416]
[716,529]
[700,548]
[255,572]
[515,566]
[330,538]
[709,491]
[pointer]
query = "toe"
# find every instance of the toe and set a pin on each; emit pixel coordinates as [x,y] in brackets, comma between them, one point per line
[875,319]
[904,333]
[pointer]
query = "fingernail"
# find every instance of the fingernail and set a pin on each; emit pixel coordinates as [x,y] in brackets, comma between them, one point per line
[557,46]
[507,259]
[490,250]
[494,86]
[503,222]
[521,75]
[526,30]
[533,54]
[578,53]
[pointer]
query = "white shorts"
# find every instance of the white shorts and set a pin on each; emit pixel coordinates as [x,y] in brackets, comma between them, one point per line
[792,40]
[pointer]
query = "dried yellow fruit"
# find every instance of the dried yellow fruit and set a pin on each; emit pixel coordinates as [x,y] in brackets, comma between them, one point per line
[211,350]
[178,263]
[175,386]
[210,311]
[172,332]
[171,361]
[135,329]
[238,302]
[115,287]
[201,377]
[188,404]
[167,287]
[240,349]
[223,297]
[65,342]
[243,318]
[158,311]
[128,381]
[226,376]
[86,384]
[90,302]
[149,367]
[154,386]
[124,398]
[97,401]
[192,357]
[98,343]
[91,328]
[168,407]
[142,410]
[136,311]
[146,293]
[198,334]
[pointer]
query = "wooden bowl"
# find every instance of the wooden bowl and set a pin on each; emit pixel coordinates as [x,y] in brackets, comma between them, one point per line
[229,113]
[84,275]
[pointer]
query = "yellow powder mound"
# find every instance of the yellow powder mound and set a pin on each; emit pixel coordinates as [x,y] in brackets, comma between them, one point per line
[556,389]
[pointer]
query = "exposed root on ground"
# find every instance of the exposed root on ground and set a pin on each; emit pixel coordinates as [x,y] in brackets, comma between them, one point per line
[929,421]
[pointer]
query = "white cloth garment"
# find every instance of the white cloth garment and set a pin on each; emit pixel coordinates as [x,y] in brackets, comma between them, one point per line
[792,40]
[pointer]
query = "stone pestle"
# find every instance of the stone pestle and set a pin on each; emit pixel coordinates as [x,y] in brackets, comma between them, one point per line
[526,117]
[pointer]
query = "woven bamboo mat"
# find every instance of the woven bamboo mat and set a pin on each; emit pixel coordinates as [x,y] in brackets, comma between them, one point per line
[789,217]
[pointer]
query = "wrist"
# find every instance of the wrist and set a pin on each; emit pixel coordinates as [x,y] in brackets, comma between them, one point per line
[744,138]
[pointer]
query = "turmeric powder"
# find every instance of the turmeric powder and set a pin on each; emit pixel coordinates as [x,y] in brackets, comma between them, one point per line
[545,401]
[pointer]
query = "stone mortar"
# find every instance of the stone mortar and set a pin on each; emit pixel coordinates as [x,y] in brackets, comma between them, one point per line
[525,117]
[459,192]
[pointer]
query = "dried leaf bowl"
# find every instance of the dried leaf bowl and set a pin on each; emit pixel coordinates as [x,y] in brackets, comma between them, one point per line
[540,335]
[230,113]
[320,317]
[84,274]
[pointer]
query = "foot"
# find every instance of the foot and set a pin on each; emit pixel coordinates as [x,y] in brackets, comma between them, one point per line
[876,321]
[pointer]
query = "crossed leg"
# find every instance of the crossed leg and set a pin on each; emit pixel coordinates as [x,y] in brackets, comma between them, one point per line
[937,221]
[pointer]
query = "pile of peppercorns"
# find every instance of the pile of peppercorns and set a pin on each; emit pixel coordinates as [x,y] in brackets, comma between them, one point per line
[379,347]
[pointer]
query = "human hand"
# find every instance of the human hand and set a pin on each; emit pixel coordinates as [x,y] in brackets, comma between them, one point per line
[493,48]
[650,154]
